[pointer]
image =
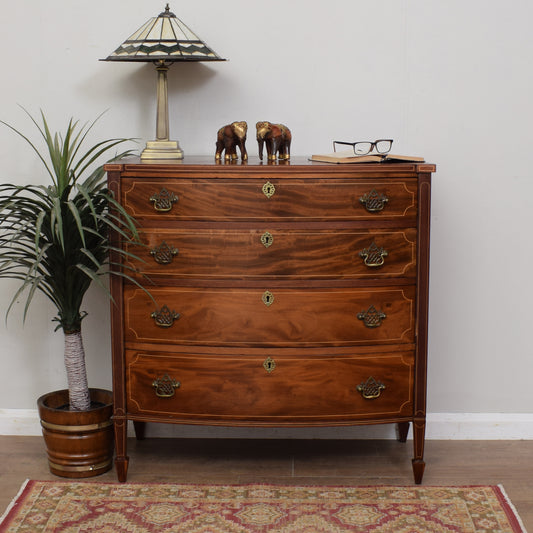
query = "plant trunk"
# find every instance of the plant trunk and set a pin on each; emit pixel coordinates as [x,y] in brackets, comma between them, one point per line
[76,372]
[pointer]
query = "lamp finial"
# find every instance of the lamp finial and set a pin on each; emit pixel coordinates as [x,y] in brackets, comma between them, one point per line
[167,13]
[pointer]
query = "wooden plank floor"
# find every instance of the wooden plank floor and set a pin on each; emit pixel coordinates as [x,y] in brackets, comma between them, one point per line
[311,462]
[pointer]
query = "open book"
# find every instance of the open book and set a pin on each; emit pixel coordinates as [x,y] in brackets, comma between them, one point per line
[347,156]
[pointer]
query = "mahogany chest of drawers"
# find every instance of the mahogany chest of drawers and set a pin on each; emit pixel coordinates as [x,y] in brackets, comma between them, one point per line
[290,294]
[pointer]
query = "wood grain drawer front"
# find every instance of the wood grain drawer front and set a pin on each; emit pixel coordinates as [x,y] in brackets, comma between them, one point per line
[292,254]
[297,389]
[277,317]
[291,199]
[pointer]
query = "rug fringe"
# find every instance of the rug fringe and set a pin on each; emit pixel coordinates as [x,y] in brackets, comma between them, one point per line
[513,508]
[14,501]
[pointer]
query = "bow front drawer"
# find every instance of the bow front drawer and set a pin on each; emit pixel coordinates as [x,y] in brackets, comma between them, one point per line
[276,317]
[246,388]
[286,199]
[277,253]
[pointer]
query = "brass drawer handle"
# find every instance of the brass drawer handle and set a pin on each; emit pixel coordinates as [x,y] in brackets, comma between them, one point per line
[268,189]
[165,387]
[372,318]
[374,201]
[373,256]
[163,200]
[370,389]
[164,253]
[267,239]
[164,317]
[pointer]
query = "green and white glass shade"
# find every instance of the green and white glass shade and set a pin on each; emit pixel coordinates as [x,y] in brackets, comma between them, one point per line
[163,40]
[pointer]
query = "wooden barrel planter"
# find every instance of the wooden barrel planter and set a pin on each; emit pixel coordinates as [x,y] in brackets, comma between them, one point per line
[79,443]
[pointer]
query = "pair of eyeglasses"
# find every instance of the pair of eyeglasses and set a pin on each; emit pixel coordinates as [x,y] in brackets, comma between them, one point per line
[381,146]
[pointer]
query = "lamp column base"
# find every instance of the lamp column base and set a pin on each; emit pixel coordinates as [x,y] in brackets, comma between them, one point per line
[162,150]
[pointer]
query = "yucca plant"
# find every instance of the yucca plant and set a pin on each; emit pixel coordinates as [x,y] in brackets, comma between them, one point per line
[54,239]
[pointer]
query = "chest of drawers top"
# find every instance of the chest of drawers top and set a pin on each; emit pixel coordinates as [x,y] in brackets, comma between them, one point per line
[207,164]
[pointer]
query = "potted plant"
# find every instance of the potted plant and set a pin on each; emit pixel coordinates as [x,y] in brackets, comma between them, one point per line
[54,239]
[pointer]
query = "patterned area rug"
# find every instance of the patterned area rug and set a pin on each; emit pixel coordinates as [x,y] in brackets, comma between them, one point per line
[46,506]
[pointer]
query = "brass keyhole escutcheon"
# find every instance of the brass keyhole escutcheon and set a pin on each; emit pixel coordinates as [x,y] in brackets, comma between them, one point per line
[269,365]
[163,200]
[268,298]
[267,239]
[165,386]
[269,189]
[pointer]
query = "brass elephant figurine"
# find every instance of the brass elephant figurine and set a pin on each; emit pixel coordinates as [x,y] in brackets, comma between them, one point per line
[277,138]
[229,137]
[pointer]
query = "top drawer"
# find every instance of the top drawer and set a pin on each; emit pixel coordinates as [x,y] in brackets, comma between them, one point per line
[264,199]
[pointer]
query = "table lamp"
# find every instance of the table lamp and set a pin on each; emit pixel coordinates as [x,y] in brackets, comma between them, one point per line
[163,40]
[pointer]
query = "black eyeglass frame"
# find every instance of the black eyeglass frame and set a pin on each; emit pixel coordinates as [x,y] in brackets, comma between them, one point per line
[372,145]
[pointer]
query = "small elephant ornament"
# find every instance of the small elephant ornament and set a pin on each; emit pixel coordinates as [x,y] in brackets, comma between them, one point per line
[277,138]
[228,138]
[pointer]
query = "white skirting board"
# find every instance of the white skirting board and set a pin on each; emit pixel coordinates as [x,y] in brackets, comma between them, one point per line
[440,426]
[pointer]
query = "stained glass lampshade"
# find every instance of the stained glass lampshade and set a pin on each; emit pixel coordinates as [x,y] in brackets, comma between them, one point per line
[163,40]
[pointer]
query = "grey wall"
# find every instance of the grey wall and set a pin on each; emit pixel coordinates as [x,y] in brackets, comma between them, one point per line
[451,81]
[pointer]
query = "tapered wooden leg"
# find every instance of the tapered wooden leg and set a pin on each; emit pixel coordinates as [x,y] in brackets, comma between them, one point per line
[121,459]
[121,467]
[402,430]
[140,429]
[419,432]
[418,470]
